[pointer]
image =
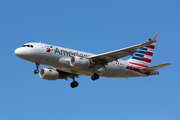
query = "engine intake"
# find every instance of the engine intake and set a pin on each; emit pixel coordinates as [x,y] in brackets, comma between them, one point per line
[79,62]
[49,74]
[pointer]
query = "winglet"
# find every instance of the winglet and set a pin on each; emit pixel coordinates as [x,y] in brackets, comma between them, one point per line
[155,37]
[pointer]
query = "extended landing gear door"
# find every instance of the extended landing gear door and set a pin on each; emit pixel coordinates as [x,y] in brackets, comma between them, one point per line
[42,48]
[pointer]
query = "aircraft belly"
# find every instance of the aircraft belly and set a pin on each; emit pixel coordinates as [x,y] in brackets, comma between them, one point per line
[133,74]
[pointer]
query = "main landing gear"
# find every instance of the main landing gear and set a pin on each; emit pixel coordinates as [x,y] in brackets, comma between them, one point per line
[95,77]
[37,67]
[74,83]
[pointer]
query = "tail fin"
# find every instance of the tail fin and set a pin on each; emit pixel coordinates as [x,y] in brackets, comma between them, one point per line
[143,56]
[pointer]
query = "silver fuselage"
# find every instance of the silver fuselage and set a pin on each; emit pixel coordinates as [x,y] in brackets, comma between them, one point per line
[50,55]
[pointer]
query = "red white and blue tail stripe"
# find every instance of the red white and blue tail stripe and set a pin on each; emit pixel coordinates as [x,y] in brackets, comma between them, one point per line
[143,56]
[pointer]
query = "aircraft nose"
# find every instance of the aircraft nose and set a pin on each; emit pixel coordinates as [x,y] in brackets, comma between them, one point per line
[17,52]
[20,52]
[25,53]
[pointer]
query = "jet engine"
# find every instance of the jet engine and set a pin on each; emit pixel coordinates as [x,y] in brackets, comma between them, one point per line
[64,62]
[49,74]
[79,62]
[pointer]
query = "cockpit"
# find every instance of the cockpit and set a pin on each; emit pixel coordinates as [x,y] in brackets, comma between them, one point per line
[28,51]
[28,46]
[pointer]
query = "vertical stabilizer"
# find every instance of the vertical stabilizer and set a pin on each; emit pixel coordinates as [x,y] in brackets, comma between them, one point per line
[143,56]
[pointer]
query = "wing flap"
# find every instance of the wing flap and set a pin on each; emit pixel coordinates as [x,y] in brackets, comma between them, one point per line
[153,68]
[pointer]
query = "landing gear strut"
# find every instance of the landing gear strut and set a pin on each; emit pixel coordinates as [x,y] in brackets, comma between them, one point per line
[37,67]
[95,77]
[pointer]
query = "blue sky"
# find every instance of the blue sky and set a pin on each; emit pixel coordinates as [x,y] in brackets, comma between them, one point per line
[93,26]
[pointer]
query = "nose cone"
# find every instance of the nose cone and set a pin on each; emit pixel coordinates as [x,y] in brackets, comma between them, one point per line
[21,52]
[18,52]
[27,53]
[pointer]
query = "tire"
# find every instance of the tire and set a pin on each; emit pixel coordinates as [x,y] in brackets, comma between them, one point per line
[74,84]
[96,76]
[36,71]
[92,77]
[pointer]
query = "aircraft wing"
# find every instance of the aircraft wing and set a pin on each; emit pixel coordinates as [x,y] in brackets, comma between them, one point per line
[117,54]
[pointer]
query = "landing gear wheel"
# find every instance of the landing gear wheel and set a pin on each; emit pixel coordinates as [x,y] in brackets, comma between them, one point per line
[37,66]
[36,71]
[95,77]
[92,77]
[74,84]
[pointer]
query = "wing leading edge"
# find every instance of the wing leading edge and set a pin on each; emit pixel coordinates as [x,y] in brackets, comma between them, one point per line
[117,54]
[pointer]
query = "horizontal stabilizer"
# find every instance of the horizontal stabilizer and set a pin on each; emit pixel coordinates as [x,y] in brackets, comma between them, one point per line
[153,68]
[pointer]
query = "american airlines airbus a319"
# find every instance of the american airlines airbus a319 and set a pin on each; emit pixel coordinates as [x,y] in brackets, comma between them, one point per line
[68,63]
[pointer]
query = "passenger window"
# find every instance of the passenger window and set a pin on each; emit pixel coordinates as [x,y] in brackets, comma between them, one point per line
[32,46]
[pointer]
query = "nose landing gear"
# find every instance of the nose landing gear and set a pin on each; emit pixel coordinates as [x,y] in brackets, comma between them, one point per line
[37,67]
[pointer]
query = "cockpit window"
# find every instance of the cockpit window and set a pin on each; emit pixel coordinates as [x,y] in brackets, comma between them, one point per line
[28,46]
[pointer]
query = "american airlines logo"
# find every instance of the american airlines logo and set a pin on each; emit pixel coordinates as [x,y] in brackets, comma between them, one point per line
[49,48]
[69,53]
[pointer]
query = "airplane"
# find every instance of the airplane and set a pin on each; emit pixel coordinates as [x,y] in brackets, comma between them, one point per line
[68,63]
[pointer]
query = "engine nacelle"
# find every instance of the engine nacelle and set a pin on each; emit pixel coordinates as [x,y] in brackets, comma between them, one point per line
[64,62]
[79,62]
[49,74]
